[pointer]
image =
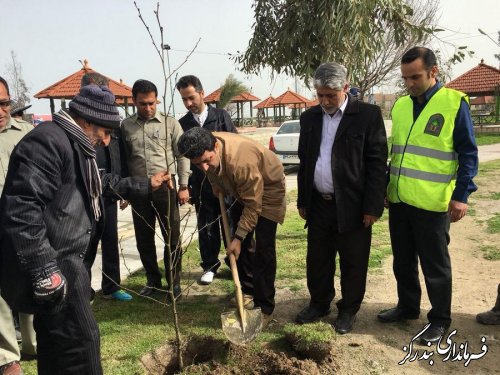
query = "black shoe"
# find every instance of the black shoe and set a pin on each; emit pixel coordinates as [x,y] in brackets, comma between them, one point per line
[344,323]
[311,314]
[177,294]
[433,333]
[149,290]
[28,357]
[396,314]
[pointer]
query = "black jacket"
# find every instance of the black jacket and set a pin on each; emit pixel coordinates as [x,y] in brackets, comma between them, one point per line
[45,211]
[359,157]
[218,120]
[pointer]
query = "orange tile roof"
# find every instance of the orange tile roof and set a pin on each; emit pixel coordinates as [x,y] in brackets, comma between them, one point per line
[480,80]
[289,97]
[214,97]
[310,103]
[265,103]
[68,87]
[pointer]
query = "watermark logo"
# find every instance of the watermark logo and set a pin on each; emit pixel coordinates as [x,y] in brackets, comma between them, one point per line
[447,349]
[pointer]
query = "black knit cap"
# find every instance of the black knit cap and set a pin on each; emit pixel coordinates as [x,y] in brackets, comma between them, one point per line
[96,104]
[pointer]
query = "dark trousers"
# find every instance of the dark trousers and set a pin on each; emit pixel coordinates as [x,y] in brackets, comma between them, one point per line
[144,215]
[109,245]
[257,261]
[68,341]
[209,232]
[420,234]
[323,243]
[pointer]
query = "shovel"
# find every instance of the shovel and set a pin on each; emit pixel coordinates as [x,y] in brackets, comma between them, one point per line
[244,325]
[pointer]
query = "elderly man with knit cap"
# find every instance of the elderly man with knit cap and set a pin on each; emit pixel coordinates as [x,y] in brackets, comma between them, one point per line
[50,204]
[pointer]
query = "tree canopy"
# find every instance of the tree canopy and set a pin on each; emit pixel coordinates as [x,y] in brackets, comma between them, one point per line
[232,87]
[295,36]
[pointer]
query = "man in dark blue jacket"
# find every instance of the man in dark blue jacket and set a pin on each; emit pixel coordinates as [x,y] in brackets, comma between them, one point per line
[110,159]
[206,204]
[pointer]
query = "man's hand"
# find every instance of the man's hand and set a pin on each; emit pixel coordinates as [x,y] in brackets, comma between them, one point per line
[234,248]
[302,213]
[49,286]
[369,220]
[183,195]
[159,178]
[123,205]
[457,210]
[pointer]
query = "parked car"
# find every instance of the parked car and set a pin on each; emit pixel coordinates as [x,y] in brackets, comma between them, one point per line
[285,143]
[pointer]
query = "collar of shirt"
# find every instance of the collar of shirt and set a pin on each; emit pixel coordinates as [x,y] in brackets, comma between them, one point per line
[202,116]
[156,117]
[11,125]
[418,107]
[428,94]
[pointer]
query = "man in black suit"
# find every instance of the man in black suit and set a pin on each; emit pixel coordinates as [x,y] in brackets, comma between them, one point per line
[50,204]
[341,188]
[206,204]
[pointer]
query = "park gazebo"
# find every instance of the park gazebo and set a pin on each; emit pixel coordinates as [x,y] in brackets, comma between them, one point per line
[481,81]
[68,87]
[289,98]
[240,100]
[265,105]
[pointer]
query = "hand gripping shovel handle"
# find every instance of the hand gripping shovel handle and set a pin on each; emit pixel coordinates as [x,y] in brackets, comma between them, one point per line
[232,261]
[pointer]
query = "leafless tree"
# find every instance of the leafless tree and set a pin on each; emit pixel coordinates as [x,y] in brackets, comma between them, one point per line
[19,90]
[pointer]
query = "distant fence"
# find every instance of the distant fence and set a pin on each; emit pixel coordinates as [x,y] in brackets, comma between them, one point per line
[481,119]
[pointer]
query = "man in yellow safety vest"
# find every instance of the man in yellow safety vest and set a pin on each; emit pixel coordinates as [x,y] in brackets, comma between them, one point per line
[433,162]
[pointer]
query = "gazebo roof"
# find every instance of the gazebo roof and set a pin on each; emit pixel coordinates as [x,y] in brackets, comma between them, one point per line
[310,103]
[68,87]
[290,97]
[266,103]
[214,97]
[479,81]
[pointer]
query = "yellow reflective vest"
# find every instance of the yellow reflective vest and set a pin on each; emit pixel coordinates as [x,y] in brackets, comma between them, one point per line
[423,161]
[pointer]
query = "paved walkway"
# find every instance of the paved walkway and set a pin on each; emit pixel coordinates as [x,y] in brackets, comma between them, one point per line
[129,259]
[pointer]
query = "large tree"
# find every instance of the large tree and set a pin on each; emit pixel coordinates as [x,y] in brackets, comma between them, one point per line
[384,65]
[295,36]
[19,90]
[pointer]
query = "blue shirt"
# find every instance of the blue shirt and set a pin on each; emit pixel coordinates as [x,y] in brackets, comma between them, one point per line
[464,144]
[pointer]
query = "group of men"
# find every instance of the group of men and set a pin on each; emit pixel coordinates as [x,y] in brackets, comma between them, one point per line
[52,202]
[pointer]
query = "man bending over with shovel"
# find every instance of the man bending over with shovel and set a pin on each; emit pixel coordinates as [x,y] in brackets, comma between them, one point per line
[238,166]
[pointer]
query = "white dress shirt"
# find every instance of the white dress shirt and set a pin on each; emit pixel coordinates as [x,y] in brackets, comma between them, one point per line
[323,178]
[202,116]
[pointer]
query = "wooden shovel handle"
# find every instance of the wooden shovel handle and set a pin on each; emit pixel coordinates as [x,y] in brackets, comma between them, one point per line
[232,261]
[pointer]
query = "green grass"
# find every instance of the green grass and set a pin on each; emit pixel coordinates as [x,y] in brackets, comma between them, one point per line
[130,330]
[490,252]
[310,333]
[495,196]
[487,139]
[493,224]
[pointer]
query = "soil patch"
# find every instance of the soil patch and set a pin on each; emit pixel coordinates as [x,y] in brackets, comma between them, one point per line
[205,355]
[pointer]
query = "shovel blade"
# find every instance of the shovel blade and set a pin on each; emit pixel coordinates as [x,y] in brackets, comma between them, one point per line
[231,326]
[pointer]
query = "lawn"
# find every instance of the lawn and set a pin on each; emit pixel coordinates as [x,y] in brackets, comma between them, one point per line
[130,330]
[487,139]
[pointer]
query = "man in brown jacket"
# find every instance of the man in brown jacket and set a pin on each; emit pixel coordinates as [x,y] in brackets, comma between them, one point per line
[254,176]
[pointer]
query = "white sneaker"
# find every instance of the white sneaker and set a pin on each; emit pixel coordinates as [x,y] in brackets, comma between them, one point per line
[207,278]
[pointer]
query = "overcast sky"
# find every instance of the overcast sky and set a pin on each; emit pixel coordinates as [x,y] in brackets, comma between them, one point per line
[50,36]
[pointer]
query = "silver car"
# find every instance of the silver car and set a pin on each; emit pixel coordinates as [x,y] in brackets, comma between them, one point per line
[285,143]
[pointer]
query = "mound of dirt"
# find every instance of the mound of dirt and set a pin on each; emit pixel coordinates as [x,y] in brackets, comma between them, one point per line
[205,355]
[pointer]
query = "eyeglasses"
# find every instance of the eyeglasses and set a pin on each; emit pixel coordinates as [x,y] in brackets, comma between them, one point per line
[5,103]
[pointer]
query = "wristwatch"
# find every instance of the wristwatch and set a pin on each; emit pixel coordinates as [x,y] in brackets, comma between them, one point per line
[238,237]
[183,187]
